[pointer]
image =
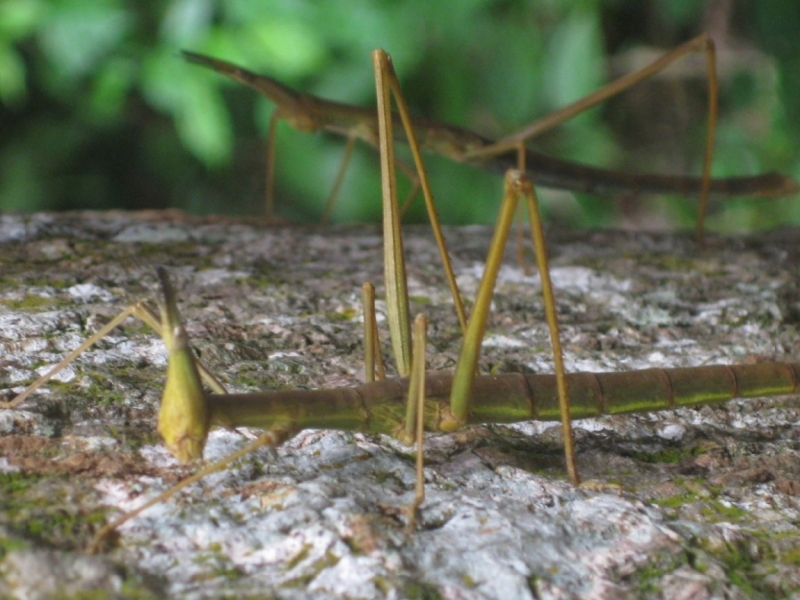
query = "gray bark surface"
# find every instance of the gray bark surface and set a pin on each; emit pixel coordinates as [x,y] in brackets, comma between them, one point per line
[708,499]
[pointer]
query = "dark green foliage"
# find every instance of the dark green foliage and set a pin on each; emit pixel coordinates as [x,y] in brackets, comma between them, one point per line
[98,110]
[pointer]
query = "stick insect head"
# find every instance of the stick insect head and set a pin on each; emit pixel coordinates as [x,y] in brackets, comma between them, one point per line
[184,418]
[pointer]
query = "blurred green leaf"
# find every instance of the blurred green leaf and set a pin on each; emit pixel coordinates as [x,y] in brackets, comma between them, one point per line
[186,20]
[110,88]
[286,47]
[575,59]
[203,124]
[12,76]
[197,107]
[77,35]
[19,18]
[106,112]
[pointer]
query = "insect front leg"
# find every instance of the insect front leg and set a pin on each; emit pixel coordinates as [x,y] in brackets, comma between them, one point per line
[139,310]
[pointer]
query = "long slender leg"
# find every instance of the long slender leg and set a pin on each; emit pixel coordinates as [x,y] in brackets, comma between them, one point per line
[394,258]
[269,208]
[516,184]
[337,183]
[525,188]
[386,80]
[535,217]
[470,348]
[373,361]
[140,310]
[339,179]
[415,417]
[270,438]
[701,43]
[415,187]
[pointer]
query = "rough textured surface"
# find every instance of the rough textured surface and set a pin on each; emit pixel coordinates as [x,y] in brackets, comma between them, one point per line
[709,501]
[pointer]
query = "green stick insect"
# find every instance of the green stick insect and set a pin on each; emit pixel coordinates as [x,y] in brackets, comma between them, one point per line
[283,317]
[391,406]
[309,113]
[439,402]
